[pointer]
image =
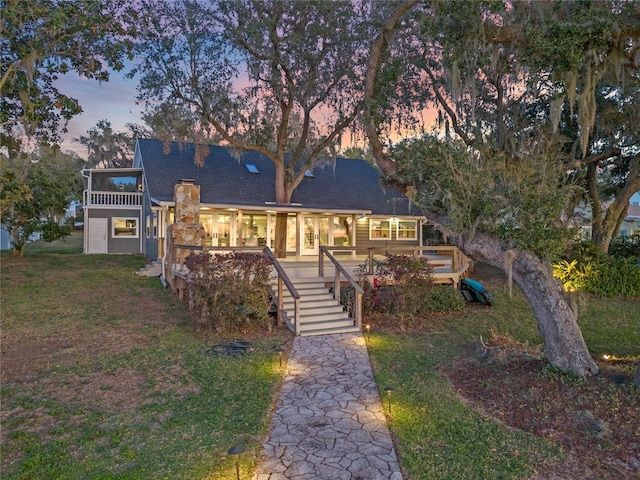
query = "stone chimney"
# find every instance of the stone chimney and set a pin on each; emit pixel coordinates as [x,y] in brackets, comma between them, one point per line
[187,198]
[186,229]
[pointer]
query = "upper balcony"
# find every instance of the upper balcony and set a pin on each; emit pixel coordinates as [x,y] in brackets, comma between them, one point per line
[113,187]
[115,199]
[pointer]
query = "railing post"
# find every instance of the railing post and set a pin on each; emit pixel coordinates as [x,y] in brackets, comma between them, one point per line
[336,285]
[454,261]
[321,263]
[280,301]
[371,250]
[296,320]
[358,309]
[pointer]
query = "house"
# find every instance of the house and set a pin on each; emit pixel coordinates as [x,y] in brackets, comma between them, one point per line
[629,226]
[338,204]
[112,205]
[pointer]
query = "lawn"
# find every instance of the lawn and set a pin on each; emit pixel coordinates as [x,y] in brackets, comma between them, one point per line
[461,413]
[105,375]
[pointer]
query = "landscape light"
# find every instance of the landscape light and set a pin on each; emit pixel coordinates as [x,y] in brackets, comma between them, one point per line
[389,390]
[237,450]
[280,351]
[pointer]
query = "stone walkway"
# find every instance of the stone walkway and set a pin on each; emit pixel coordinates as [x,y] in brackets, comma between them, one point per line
[329,422]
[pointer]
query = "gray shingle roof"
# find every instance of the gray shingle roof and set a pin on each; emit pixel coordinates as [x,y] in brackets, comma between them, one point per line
[225,180]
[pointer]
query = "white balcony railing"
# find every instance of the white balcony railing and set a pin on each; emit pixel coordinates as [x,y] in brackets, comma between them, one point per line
[116,199]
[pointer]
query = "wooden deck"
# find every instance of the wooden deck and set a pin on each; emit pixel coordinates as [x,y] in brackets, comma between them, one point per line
[449,265]
[308,288]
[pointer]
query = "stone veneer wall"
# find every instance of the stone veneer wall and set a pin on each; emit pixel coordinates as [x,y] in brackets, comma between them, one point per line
[187,229]
[187,198]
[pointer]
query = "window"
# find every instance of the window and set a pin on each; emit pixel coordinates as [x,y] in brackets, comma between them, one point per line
[155,224]
[406,230]
[379,229]
[148,226]
[124,227]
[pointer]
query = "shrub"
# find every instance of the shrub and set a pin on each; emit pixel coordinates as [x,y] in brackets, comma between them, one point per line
[588,269]
[230,291]
[404,270]
[444,299]
[400,287]
[616,277]
[572,275]
[625,247]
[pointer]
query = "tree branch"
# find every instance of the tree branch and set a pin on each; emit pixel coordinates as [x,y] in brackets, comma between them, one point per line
[378,49]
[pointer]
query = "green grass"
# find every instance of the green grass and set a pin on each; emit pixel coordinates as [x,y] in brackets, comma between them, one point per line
[437,436]
[118,385]
[118,382]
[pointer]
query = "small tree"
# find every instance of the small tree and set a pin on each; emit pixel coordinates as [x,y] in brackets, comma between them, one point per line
[35,191]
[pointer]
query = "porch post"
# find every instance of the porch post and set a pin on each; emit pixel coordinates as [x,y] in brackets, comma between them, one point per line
[298,235]
[353,235]
[239,227]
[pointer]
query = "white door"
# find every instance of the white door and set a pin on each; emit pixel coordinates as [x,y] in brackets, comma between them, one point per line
[219,228]
[97,235]
[316,231]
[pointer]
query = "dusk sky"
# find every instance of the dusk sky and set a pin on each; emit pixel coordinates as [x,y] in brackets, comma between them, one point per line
[114,100]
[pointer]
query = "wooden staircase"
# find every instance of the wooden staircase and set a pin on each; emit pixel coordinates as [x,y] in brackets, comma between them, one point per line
[320,312]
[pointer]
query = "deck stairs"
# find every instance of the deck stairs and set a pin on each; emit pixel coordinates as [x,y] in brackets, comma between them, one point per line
[320,312]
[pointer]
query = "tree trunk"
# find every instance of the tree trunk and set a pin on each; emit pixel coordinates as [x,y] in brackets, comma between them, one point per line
[19,242]
[605,226]
[280,250]
[564,345]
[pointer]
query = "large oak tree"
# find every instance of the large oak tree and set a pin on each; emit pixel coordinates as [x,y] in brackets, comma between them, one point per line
[499,74]
[280,78]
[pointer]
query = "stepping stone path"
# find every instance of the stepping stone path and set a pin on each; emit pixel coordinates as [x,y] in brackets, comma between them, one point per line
[329,422]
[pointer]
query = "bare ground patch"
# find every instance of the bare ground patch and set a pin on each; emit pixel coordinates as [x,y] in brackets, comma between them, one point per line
[596,422]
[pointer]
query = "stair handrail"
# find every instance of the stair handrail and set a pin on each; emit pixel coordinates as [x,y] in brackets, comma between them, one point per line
[283,278]
[339,269]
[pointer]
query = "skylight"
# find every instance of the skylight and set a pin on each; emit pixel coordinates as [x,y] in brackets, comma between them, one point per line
[252,168]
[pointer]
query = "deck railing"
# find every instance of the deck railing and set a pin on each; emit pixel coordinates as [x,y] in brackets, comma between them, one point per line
[116,199]
[339,270]
[460,264]
[283,280]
